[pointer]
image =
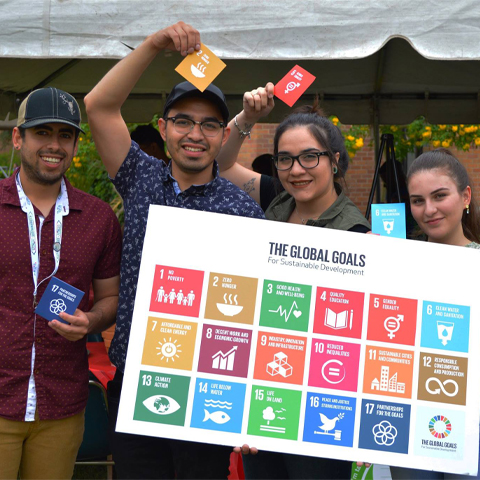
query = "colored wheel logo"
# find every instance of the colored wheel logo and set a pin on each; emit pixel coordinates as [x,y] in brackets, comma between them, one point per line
[440,426]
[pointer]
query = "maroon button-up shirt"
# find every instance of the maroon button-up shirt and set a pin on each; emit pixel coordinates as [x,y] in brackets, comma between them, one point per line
[91,248]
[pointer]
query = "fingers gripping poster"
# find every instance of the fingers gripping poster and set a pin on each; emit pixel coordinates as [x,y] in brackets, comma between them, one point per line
[304,340]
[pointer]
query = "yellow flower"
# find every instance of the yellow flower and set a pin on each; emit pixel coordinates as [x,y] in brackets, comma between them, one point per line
[351,154]
[466,146]
[461,125]
[359,142]
[351,138]
[461,132]
[477,141]
[418,144]
[445,144]
[428,128]
[436,143]
[427,134]
[454,128]
[335,120]
[442,127]
[393,128]
[78,164]
[80,139]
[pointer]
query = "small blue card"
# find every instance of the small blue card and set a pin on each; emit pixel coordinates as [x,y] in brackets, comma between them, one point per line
[58,297]
[388,219]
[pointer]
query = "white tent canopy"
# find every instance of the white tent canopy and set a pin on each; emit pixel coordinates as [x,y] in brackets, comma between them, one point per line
[379,61]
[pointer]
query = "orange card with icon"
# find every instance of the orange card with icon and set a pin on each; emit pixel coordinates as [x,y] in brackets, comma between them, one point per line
[292,86]
[201,67]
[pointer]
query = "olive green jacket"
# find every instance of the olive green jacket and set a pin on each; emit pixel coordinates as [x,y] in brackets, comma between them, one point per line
[342,214]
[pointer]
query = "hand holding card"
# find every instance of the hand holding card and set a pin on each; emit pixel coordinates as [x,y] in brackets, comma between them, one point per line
[58,297]
[201,68]
[292,86]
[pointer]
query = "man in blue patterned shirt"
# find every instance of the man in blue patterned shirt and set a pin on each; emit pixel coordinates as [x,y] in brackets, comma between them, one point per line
[194,127]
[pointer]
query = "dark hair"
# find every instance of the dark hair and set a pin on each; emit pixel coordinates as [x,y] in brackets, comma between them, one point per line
[323,130]
[443,159]
[263,164]
[145,134]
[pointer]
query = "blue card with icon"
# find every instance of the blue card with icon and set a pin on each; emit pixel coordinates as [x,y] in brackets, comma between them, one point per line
[388,219]
[58,297]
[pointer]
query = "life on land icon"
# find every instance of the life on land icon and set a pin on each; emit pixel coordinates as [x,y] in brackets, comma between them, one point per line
[270,415]
[329,424]
[224,361]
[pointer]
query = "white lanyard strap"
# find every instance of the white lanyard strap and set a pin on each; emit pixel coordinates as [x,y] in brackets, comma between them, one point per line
[61,209]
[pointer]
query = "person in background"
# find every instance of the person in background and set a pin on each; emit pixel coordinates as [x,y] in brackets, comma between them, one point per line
[442,203]
[150,141]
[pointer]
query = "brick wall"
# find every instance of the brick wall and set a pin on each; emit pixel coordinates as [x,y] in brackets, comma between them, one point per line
[360,173]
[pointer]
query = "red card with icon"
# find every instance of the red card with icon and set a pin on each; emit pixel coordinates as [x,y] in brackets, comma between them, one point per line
[292,86]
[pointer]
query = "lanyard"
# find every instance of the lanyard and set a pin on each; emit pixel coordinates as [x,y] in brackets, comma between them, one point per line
[61,209]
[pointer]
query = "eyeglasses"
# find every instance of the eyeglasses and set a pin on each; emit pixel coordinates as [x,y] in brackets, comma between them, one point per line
[209,128]
[306,160]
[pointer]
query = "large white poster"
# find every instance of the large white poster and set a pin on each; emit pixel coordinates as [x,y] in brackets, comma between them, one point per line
[305,340]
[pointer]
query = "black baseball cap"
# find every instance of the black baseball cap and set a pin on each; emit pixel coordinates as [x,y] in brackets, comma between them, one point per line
[186,89]
[49,105]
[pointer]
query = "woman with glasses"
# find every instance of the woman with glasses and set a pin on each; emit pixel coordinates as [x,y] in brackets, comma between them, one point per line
[311,160]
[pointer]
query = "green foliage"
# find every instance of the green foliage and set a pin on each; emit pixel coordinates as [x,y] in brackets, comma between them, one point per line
[419,133]
[87,173]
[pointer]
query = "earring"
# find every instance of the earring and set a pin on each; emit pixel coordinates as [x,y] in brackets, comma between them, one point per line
[335,170]
[468,208]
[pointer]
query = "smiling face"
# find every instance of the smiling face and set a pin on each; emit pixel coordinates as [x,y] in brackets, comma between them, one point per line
[314,185]
[438,206]
[192,153]
[46,152]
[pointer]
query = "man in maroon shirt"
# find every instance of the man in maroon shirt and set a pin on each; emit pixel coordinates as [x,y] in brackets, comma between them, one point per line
[48,228]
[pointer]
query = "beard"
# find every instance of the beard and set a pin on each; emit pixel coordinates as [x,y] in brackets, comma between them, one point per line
[33,173]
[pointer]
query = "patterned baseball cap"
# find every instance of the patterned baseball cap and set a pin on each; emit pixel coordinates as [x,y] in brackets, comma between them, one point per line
[49,105]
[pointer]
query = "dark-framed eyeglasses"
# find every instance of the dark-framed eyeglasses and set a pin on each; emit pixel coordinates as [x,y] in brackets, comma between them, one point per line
[209,128]
[306,160]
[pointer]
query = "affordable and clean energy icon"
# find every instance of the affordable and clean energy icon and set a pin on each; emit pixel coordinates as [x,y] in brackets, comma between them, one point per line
[283,311]
[217,416]
[230,307]
[169,349]
[392,325]
[279,366]
[269,415]
[340,320]
[329,424]
[388,226]
[445,331]
[224,361]
[384,433]
[387,383]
